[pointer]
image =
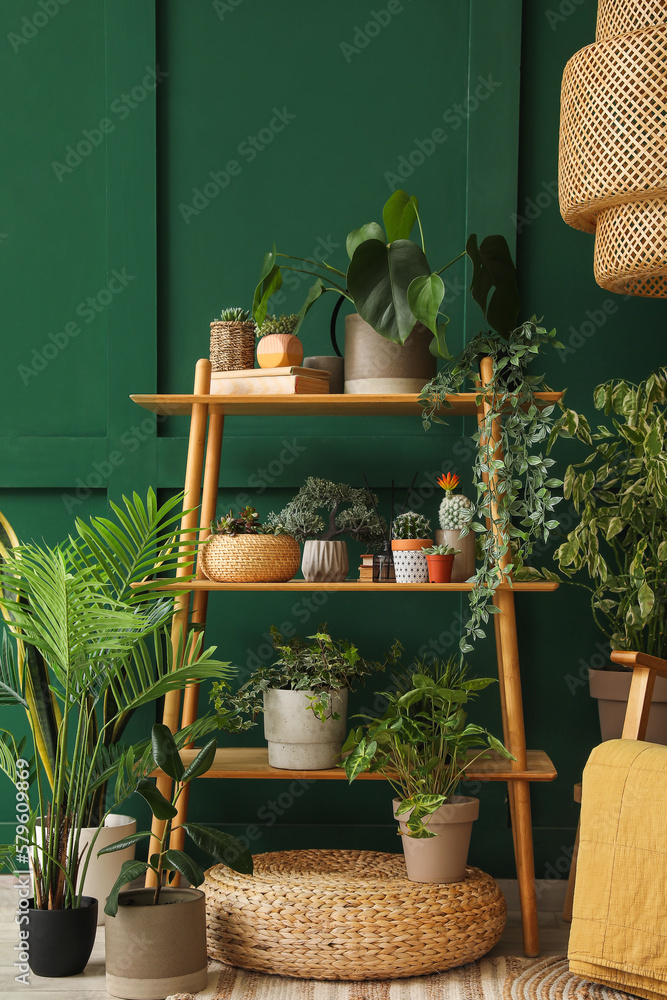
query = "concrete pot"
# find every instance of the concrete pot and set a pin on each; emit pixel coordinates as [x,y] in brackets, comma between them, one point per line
[332,364]
[376,365]
[441,858]
[464,562]
[154,951]
[103,872]
[611,688]
[324,562]
[410,563]
[297,740]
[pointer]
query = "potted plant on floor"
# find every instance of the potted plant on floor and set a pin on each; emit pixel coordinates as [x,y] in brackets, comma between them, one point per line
[424,745]
[303,696]
[278,347]
[242,550]
[409,537]
[454,515]
[233,341]
[318,514]
[156,939]
[97,659]
[620,542]
[440,561]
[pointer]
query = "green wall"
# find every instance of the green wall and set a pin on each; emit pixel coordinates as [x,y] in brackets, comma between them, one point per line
[289,123]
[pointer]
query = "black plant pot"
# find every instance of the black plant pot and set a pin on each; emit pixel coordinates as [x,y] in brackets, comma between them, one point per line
[60,941]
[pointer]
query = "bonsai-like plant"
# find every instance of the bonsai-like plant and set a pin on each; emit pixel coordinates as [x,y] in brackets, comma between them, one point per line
[348,511]
[620,491]
[390,282]
[166,862]
[518,500]
[455,511]
[422,741]
[410,525]
[279,324]
[320,666]
[441,550]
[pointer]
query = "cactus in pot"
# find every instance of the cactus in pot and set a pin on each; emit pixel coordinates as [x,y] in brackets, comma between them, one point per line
[409,537]
[454,515]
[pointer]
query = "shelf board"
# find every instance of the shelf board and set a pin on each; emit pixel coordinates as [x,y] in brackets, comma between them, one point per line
[324,405]
[302,586]
[253,762]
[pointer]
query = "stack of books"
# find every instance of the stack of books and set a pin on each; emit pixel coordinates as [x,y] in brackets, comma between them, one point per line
[366,568]
[291,381]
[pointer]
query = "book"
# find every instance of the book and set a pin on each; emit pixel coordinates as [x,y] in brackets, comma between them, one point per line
[264,372]
[365,572]
[228,384]
[367,559]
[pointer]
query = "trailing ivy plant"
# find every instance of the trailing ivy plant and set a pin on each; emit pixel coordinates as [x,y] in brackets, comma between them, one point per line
[620,491]
[520,500]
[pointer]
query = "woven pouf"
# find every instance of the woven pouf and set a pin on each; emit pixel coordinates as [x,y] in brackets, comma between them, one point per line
[348,915]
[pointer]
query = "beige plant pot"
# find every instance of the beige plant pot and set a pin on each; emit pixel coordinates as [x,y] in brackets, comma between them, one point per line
[611,688]
[464,562]
[324,562]
[154,951]
[441,858]
[279,350]
[103,872]
[377,365]
[298,740]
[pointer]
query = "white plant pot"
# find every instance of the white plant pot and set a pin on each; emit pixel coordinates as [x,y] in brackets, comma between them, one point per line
[441,858]
[297,740]
[324,562]
[410,563]
[464,562]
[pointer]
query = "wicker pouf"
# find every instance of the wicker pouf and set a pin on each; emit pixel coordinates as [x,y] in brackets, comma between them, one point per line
[348,915]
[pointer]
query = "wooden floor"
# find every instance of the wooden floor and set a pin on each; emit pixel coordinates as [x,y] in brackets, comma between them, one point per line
[90,985]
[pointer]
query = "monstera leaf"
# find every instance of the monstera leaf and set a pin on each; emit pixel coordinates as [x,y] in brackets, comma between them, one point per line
[378,279]
[493,268]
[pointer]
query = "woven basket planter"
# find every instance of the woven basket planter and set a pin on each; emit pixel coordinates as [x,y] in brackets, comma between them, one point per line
[232,346]
[250,558]
[347,915]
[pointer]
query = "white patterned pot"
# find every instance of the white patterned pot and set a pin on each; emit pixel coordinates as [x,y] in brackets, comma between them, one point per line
[324,562]
[409,560]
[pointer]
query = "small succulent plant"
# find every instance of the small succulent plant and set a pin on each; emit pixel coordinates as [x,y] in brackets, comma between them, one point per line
[245,523]
[236,315]
[455,509]
[410,525]
[278,324]
[441,550]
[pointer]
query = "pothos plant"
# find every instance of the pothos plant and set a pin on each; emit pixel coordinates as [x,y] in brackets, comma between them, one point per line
[511,477]
[620,492]
[320,666]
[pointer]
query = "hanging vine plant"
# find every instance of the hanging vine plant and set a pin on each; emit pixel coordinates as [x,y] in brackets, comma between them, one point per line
[517,499]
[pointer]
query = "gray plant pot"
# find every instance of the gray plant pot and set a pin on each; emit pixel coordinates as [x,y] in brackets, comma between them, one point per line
[329,363]
[297,740]
[611,688]
[324,562]
[376,365]
[154,951]
[441,858]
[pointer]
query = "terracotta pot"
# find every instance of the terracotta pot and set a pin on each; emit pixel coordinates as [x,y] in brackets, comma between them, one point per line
[409,561]
[441,858]
[153,951]
[60,941]
[439,568]
[464,560]
[324,562]
[279,350]
[297,739]
[611,688]
[377,365]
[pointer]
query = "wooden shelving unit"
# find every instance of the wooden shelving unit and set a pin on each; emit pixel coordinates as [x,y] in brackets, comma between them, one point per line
[207,414]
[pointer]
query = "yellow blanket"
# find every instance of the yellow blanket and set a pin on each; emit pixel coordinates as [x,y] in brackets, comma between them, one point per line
[619,921]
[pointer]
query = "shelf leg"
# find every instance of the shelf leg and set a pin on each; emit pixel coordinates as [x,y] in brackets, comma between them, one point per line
[189,524]
[503,709]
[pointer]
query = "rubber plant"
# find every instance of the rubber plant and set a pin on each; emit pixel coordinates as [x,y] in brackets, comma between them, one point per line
[620,492]
[390,282]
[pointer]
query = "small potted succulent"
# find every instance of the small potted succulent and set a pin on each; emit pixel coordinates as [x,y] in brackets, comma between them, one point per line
[156,938]
[348,511]
[440,561]
[455,514]
[409,537]
[423,745]
[233,341]
[278,347]
[242,550]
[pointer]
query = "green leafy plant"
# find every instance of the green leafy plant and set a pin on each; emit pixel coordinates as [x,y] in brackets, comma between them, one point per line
[279,324]
[390,282]
[441,550]
[517,499]
[320,666]
[410,525]
[246,522]
[348,511]
[422,742]
[236,315]
[620,492]
[167,861]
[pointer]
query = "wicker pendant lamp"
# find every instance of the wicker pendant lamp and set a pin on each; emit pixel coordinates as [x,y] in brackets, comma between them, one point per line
[613,146]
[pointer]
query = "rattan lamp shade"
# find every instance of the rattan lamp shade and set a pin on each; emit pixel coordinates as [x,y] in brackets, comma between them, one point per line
[613,146]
